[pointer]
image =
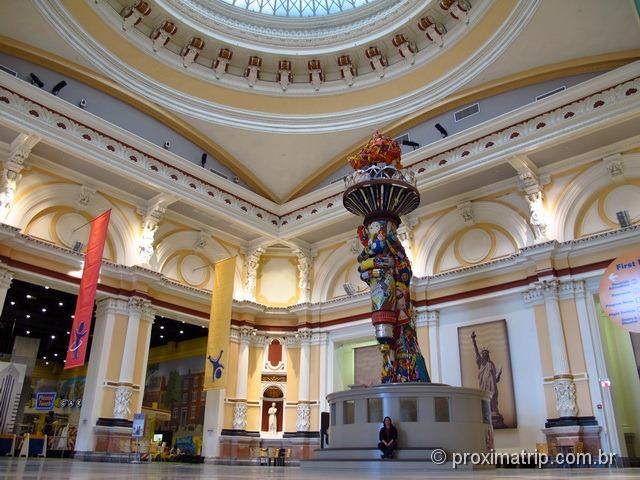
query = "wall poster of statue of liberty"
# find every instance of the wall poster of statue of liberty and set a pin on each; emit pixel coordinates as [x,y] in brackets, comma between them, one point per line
[485,363]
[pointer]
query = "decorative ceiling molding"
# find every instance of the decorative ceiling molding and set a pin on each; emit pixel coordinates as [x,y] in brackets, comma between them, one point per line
[602,101]
[375,114]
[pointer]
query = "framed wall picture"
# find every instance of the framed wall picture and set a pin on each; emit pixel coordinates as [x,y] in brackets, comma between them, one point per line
[485,363]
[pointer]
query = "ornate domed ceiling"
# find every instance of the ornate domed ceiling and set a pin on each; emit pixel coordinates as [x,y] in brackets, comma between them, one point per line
[299,46]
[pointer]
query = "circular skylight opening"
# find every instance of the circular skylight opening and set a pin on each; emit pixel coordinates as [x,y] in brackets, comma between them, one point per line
[298,8]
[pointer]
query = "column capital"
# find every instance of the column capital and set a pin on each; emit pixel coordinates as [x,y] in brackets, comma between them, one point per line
[113,306]
[433,318]
[245,334]
[304,335]
[142,307]
[541,291]
[6,276]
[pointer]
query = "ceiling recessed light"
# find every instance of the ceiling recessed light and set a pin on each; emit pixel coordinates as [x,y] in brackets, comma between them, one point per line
[28,296]
[46,363]
[44,358]
[28,332]
[46,287]
[161,327]
[60,304]
[55,354]
[53,337]
[13,303]
[68,333]
[28,316]
[181,332]
[64,361]
[183,321]
[203,326]
[44,310]
[161,336]
[73,316]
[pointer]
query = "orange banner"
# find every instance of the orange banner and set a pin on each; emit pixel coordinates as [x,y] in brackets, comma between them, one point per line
[87,293]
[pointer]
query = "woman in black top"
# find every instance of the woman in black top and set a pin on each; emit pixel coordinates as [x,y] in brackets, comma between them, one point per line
[388,438]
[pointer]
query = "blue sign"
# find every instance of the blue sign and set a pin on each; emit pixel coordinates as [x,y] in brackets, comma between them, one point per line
[45,400]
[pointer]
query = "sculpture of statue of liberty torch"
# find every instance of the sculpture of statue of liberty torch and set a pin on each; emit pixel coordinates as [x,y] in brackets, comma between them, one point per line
[381,191]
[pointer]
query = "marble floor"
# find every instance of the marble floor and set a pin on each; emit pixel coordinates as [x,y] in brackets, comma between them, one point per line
[55,469]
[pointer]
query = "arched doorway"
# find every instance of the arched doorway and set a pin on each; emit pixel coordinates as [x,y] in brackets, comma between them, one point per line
[272,395]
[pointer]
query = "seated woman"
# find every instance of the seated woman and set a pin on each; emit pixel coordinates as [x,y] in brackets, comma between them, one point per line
[388,438]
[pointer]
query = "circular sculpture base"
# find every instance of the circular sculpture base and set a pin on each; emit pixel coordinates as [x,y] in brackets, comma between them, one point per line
[427,416]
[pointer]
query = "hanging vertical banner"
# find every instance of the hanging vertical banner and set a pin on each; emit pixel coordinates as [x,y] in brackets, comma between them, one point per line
[87,292]
[215,370]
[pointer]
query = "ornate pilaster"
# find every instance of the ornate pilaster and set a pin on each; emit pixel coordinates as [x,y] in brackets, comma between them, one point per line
[251,264]
[11,168]
[150,219]
[303,409]
[433,322]
[465,210]
[6,277]
[531,185]
[405,235]
[240,416]
[549,292]
[305,262]
[122,403]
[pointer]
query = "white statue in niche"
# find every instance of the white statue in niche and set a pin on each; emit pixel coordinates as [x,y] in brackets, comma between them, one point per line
[273,419]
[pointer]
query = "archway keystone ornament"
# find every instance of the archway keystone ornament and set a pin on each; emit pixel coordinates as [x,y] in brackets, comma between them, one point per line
[620,291]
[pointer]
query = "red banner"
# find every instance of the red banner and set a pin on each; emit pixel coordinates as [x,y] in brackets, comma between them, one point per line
[87,292]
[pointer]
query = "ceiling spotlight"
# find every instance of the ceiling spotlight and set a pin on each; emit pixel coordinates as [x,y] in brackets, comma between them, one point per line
[44,310]
[13,303]
[55,354]
[28,332]
[183,321]
[44,358]
[203,326]
[28,316]
[46,287]
[441,129]
[167,145]
[46,363]
[35,80]
[181,332]
[57,87]
[64,361]
[60,304]
[73,316]
[83,103]
[161,336]
[53,337]
[68,333]
[28,296]
[203,160]
[161,327]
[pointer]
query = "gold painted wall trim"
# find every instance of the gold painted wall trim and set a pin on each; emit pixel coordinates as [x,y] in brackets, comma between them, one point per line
[82,74]
[597,63]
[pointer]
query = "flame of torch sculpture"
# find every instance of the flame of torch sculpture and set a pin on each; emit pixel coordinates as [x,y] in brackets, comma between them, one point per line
[381,191]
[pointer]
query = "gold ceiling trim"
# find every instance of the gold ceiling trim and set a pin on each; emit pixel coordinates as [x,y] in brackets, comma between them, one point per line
[532,76]
[82,74]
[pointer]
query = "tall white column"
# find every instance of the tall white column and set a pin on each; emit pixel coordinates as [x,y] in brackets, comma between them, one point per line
[322,390]
[563,385]
[433,322]
[124,391]
[6,277]
[94,386]
[213,423]
[303,410]
[240,405]
[147,316]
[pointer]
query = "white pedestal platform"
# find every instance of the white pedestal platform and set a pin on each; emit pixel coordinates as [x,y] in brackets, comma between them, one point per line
[427,416]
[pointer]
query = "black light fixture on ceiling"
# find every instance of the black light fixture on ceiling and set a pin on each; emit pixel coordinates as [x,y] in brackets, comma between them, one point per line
[442,130]
[57,87]
[409,143]
[35,80]
[203,160]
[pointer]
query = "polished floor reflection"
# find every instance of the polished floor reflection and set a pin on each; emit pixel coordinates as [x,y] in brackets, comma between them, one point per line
[54,469]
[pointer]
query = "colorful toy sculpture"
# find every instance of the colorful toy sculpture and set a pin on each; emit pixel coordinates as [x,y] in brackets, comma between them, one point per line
[381,191]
